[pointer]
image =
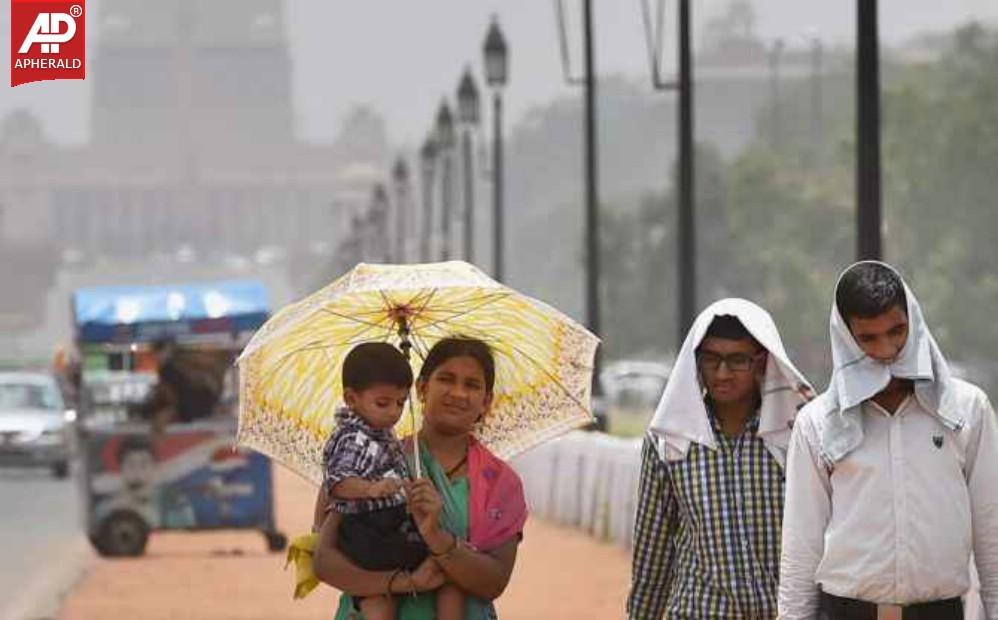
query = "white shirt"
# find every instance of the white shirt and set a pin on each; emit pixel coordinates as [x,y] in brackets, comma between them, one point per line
[894,521]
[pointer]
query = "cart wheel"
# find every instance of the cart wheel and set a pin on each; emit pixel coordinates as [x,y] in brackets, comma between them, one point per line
[122,533]
[276,541]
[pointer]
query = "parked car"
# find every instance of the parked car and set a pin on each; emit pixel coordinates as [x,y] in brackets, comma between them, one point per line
[634,384]
[34,422]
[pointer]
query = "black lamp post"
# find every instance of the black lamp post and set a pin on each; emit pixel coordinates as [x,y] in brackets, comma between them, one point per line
[353,246]
[588,81]
[774,55]
[469,115]
[868,210]
[427,164]
[359,227]
[685,170]
[400,178]
[445,148]
[496,68]
[379,224]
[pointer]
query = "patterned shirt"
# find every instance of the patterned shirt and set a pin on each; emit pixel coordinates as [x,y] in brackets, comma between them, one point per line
[357,450]
[707,533]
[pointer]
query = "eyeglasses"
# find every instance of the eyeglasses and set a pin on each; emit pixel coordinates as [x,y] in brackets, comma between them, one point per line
[736,362]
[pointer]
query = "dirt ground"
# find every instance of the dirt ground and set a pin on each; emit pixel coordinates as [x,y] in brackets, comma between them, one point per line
[560,573]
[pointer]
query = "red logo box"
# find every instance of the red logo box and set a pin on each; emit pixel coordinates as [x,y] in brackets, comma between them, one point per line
[47,41]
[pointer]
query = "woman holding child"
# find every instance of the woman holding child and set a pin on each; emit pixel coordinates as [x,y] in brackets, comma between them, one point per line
[469,508]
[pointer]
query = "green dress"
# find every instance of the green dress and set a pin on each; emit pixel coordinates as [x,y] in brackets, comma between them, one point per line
[455,520]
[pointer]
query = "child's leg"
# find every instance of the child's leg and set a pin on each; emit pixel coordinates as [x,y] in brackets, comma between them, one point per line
[450,602]
[378,608]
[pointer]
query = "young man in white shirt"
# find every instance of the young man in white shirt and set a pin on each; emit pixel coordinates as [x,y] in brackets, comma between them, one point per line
[892,473]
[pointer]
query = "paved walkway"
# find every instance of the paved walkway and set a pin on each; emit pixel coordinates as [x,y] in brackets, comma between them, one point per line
[560,573]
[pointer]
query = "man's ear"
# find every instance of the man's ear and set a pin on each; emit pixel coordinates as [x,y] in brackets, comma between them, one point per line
[761,360]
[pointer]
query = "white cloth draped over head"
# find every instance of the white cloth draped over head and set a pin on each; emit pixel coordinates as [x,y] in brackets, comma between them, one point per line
[681,417]
[856,377]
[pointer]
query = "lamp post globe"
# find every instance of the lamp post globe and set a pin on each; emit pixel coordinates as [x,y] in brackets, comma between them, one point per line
[496,55]
[468,100]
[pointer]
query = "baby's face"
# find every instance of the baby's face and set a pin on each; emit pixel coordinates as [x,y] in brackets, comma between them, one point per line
[380,405]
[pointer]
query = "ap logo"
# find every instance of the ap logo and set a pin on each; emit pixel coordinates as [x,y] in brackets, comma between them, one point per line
[47,40]
[50,29]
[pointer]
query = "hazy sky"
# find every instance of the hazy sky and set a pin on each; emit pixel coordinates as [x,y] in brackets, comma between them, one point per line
[403,56]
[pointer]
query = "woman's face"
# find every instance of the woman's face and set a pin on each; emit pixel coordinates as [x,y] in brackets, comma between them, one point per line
[454,396]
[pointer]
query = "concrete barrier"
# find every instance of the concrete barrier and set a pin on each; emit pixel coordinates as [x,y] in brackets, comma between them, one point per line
[585,480]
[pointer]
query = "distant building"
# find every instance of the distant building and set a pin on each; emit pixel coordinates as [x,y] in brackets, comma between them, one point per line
[193,149]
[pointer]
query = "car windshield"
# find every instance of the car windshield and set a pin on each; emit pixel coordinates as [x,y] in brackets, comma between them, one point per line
[28,396]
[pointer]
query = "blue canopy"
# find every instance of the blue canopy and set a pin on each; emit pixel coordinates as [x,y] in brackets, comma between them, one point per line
[147,313]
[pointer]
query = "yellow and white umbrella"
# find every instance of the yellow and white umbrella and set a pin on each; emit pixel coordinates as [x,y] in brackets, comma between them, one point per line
[290,383]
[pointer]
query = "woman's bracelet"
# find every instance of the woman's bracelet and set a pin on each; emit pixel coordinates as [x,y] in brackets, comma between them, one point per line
[450,550]
[391,580]
[412,584]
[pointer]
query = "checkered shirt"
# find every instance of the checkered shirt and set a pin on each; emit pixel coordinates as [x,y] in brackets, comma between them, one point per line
[357,450]
[707,532]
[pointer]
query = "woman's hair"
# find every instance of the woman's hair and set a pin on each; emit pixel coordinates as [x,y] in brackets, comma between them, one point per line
[460,346]
[869,289]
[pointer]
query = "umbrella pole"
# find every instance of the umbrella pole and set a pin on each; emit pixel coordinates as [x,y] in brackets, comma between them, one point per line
[406,346]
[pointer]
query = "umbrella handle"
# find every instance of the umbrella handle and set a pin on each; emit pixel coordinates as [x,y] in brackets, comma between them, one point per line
[417,461]
[406,345]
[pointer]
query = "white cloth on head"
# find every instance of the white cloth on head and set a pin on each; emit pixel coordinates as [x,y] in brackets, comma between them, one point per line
[681,417]
[858,377]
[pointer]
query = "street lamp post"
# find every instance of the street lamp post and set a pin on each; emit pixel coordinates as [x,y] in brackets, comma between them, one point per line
[427,162]
[445,148]
[687,223]
[400,177]
[816,78]
[868,212]
[469,114]
[379,224]
[496,74]
[592,178]
[353,245]
[775,53]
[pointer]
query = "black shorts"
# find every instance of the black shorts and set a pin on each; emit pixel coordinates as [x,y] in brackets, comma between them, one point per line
[384,539]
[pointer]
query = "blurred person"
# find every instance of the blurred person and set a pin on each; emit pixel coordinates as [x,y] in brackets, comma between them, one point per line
[892,473]
[706,534]
[183,393]
[67,370]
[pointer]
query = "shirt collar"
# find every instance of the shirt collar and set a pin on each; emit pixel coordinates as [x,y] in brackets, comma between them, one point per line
[347,417]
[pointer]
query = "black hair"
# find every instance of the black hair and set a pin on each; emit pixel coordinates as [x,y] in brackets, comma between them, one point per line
[460,346]
[133,443]
[869,289]
[728,327]
[373,363]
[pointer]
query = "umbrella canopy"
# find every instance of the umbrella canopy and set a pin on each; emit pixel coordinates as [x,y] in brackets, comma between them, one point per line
[290,372]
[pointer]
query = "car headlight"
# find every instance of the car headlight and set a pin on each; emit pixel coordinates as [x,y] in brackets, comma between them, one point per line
[50,436]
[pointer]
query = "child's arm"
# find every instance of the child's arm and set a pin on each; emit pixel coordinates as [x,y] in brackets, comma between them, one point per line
[358,488]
